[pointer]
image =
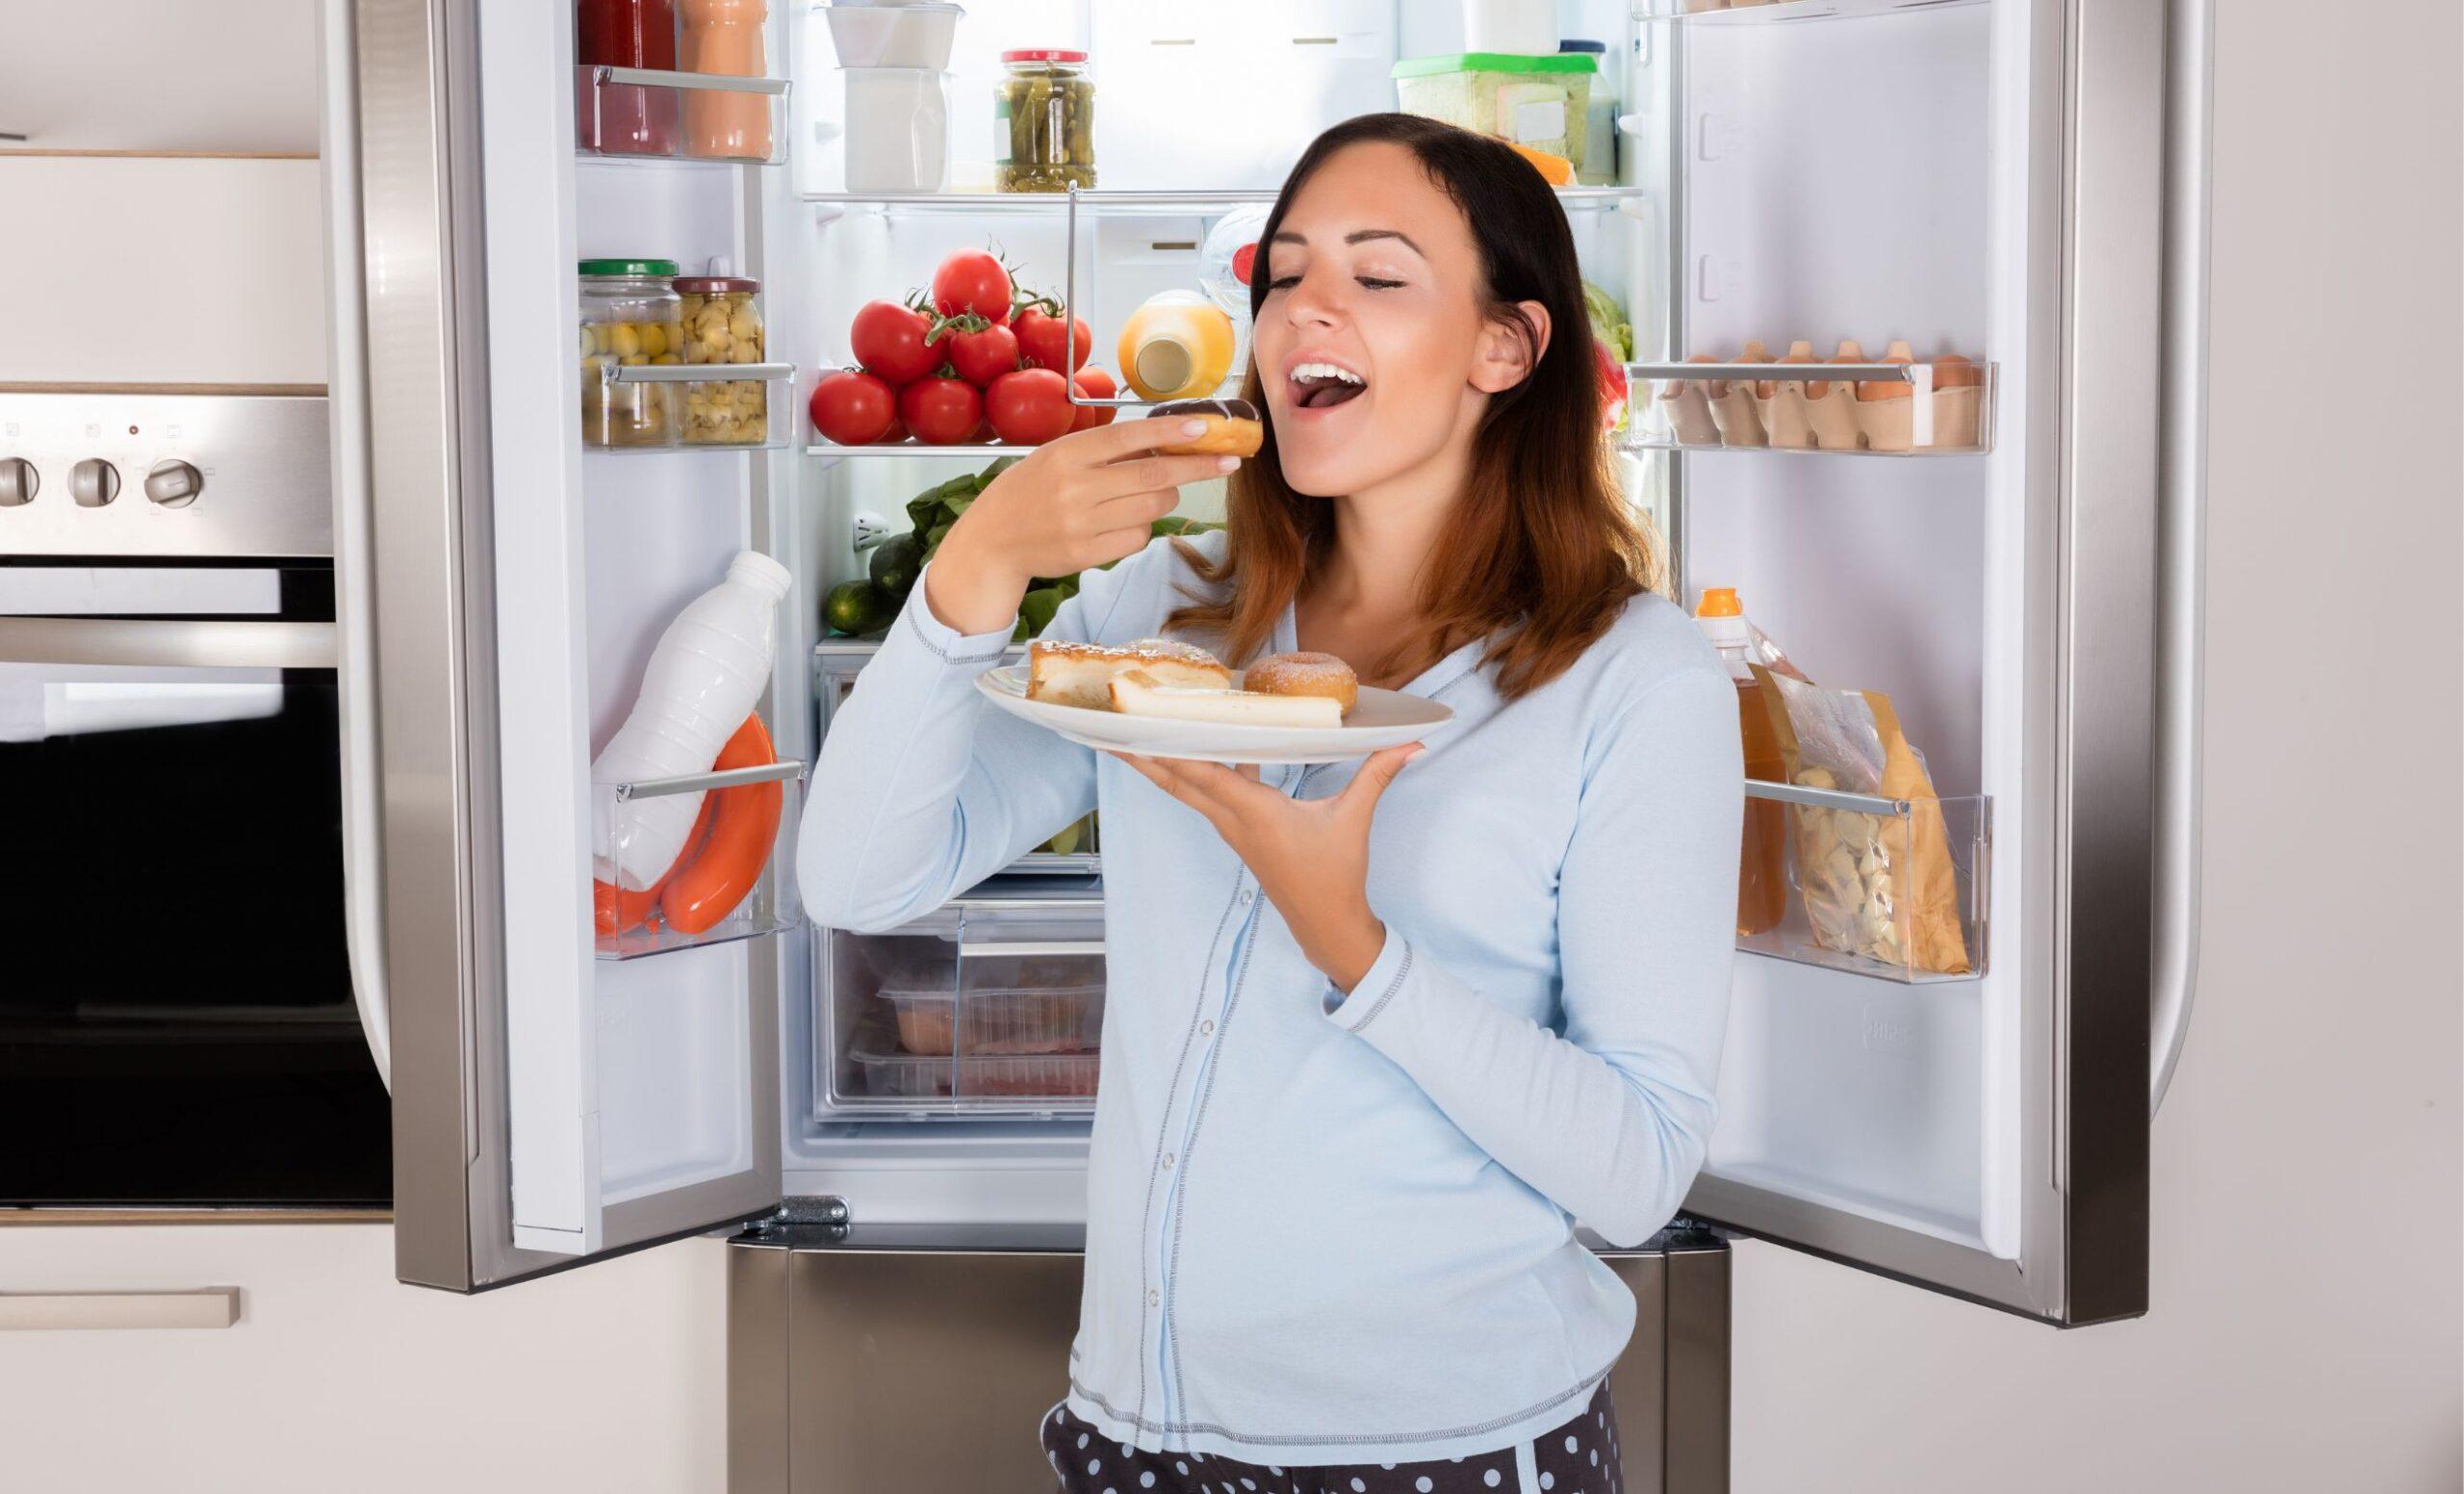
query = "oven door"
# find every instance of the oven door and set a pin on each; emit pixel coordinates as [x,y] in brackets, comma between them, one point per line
[177,1028]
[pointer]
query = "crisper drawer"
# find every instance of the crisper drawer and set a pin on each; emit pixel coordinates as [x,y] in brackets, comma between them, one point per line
[976,1010]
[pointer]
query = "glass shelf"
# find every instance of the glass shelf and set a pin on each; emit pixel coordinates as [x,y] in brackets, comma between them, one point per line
[1107,202]
[1890,888]
[1732,12]
[984,450]
[1819,411]
[630,933]
[649,114]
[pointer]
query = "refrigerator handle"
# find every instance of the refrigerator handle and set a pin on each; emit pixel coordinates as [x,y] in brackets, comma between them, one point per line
[2181,538]
[355,618]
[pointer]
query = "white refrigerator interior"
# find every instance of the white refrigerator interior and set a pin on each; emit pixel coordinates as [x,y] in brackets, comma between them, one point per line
[1882,174]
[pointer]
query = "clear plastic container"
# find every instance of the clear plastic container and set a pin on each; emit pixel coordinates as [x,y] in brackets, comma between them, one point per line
[912,1076]
[1061,1020]
[630,316]
[721,321]
[1043,122]
[1543,102]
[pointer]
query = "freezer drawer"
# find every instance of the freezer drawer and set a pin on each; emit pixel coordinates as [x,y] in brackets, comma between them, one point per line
[990,1007]
[863,1358]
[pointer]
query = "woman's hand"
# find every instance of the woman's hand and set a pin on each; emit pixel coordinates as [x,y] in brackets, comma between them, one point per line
[1085,500]
[1310,856]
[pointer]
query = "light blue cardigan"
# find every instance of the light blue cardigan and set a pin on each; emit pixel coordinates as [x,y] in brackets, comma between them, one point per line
[1328,1229]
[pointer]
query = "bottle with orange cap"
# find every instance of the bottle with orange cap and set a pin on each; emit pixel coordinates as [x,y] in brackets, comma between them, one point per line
[1762,876]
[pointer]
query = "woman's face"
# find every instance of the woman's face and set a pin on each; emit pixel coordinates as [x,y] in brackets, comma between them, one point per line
[1372,343]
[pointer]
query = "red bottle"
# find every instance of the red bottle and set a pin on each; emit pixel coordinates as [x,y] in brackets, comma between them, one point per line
[623,118]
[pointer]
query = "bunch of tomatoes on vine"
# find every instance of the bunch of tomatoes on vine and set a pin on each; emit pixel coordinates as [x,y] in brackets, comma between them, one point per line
[975,358]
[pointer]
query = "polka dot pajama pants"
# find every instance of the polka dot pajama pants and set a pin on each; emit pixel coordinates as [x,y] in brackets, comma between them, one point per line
[1578,1457]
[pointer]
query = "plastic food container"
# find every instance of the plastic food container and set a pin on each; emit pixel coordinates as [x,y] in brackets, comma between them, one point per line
[1043,122]
[1055,1019]
[893,36]
[721,321]
[898,129]
[1509,26]
[1542,102]
[911,1076]
[630,316]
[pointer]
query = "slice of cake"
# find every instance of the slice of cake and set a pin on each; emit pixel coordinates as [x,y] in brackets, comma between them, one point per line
[1080,674]
[1138,692]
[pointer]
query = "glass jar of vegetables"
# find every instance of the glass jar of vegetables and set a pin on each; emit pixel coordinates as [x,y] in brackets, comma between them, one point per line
[1043,122]
[722,324]
[631,317]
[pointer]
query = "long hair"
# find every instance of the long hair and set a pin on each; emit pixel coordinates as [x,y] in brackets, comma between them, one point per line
[1540,553]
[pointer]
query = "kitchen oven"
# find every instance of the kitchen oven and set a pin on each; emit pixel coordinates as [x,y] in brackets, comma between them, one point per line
[177,1027]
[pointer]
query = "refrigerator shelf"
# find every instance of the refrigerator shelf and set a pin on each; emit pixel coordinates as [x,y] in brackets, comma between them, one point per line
[1730,12]
[1891,888]
[1718,407]
[646,114]
[618,810]
[1111,202]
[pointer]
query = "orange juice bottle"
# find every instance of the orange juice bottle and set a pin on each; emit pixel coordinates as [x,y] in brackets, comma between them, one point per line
[1762,874]
[1176,346]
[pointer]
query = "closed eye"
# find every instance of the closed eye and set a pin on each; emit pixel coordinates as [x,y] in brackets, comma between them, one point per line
[1379,285]
[1283,283]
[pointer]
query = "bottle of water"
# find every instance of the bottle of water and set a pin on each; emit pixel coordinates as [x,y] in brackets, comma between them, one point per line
[703,677]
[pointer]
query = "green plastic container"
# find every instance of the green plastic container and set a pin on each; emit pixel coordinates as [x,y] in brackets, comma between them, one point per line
[1534,101]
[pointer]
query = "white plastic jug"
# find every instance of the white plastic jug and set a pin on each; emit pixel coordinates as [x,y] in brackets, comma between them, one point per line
[710,667]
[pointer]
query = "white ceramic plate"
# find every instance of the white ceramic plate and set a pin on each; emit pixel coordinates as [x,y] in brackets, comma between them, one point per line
[1382,718]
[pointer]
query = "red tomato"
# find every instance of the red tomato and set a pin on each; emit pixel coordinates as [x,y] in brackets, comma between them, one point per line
[980,356]
[972,280]
[1041,340]
[888,340]
[852,407]
[1612,385]
[1029,407]
[941,411]
[1093,383]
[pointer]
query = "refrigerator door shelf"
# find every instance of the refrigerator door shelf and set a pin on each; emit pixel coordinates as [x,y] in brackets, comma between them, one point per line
[1856,409]
[1891,888]
[655,116]
[770,906]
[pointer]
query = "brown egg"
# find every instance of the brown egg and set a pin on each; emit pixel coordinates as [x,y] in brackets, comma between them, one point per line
[1890,388]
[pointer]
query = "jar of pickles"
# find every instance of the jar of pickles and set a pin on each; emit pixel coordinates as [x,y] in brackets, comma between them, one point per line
[1043,122]
[722,324]
[631,317]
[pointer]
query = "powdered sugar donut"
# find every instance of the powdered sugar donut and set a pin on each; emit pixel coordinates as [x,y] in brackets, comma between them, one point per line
[1304,674]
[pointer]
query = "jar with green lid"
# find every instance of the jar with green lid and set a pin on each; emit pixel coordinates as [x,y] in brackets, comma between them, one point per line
[1043,122]
[631,317]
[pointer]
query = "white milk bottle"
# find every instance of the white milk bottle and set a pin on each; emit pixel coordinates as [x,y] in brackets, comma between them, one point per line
[703,677]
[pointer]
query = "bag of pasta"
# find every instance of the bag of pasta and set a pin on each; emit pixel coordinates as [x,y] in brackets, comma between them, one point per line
[1878,886]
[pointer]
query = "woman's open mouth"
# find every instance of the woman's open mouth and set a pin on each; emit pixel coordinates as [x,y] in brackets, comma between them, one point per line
[1322,386]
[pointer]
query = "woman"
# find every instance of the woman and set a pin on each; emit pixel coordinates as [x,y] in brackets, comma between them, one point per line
[1377,1036]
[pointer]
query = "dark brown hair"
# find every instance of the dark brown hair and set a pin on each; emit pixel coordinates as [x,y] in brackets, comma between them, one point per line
[1540,553]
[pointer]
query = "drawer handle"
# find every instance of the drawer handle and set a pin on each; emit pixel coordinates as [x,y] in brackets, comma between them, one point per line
[212,1307]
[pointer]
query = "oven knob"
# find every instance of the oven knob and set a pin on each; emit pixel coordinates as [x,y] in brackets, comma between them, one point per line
[94,482]
[19,481]
[175,484]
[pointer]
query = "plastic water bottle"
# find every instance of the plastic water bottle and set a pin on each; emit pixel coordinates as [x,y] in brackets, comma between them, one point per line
[703,677]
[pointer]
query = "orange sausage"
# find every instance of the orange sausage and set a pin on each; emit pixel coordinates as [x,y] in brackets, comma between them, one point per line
[613,909]
[742,832]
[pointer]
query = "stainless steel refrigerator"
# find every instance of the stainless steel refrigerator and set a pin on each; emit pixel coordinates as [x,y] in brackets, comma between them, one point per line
[2018,182]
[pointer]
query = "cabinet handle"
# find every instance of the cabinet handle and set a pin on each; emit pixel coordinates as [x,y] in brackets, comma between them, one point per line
[212,1308]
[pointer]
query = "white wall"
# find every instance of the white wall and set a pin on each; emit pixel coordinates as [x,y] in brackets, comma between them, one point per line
[2306,1234]
[2302,1331]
